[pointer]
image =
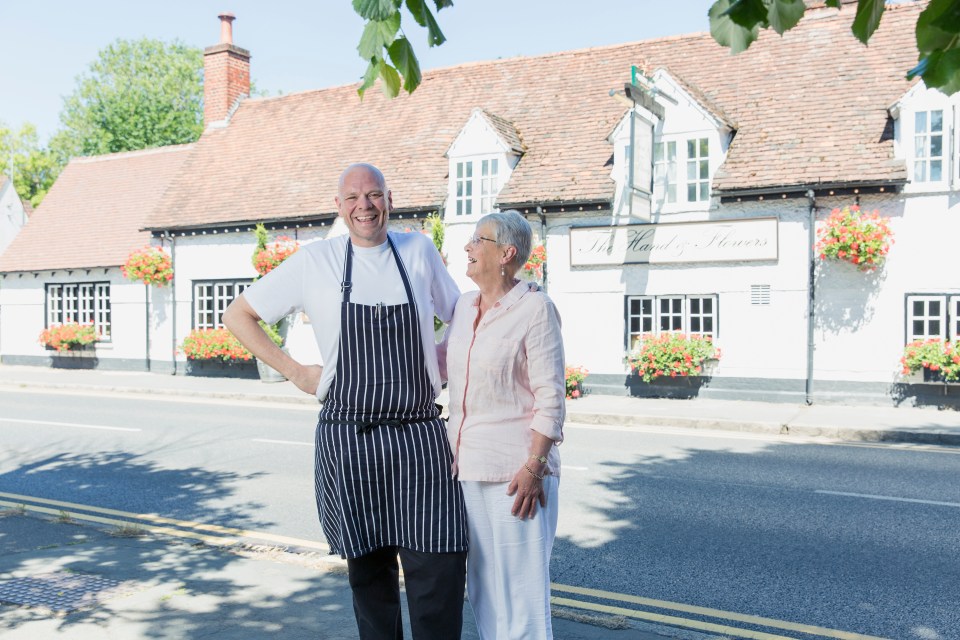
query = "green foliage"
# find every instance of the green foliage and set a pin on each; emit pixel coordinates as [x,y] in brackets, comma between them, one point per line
[737,23]
[438,231]
[939,356]
[260,233]
[34,168]
[137,94]
[385,47]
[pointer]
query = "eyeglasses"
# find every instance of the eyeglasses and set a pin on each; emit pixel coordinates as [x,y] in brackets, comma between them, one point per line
[475,240]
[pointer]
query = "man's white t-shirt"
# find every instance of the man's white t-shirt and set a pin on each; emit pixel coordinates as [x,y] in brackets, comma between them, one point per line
[310,280]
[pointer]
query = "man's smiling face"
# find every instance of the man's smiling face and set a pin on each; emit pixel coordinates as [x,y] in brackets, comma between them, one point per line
[364,203]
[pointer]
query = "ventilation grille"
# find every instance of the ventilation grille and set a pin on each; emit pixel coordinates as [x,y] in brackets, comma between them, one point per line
[759,294]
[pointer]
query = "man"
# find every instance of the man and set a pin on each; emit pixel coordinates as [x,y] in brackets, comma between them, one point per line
[383,480]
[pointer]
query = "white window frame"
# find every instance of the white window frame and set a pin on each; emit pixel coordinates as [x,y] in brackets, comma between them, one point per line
[476,184]
[673,194]
[211,298]
[80,302]
[926,317]
[651,316]
[924,138]
[953,317]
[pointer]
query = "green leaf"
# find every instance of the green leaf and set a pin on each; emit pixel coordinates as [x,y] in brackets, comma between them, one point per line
[377,35]
[748,13]
[868,17]
[728,33]
[405,61]
[391,80]
[442,4]
[833,3]
[941,70]
[435,37]
[419,10]
[371,75]
[785,14]
[936,28]
[375,9]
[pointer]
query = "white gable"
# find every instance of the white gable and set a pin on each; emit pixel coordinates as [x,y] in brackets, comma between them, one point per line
[477,137]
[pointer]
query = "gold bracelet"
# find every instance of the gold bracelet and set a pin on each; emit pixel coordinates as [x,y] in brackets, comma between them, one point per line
[530,471]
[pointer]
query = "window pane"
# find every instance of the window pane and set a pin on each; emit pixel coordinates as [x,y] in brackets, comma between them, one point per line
[934,308]
[708,325]
[920,121]
[936,146]
[695,305]
[635,307]
[934,328]
[918,328]
[935,172]
[936,120]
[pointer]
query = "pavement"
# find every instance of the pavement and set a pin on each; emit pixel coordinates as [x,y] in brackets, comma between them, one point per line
[63,577]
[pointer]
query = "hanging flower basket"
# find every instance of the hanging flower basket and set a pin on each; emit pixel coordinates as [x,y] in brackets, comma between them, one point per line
[269,258]
[851,235]
[533,269]
[150,265]
[64,337]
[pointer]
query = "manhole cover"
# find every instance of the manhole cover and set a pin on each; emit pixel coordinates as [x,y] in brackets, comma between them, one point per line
[62,591]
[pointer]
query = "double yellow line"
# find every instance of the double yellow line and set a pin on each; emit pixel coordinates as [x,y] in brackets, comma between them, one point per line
[637,607]
[211,534]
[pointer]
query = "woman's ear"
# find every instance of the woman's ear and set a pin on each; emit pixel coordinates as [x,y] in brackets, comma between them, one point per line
[509,252]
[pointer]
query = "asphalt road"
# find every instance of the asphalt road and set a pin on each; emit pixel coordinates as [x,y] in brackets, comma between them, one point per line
[703,530]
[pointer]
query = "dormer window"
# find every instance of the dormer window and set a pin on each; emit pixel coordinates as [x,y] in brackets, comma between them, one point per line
[670,184]
[481,160]
[928,159]
[477,186]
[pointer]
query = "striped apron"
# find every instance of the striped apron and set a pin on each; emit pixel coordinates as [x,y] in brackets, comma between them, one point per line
[382,459]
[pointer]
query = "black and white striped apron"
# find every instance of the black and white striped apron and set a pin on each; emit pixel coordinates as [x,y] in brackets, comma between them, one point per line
[382,460]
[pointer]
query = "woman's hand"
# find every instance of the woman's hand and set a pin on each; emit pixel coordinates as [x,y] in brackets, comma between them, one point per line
[529,490]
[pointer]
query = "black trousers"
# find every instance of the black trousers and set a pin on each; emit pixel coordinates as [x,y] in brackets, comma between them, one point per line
[435,584]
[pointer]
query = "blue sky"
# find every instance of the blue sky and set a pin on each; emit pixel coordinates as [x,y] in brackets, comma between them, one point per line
[298,45]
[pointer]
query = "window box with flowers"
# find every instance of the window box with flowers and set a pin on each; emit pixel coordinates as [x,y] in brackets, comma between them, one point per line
[218,353]
[937,360]
[71,344]
[150,265]
[671,365]
[852,235]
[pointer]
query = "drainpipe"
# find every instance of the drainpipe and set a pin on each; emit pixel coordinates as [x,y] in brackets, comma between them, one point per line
[146,300]
[543,238]
[173,300]
[811,288]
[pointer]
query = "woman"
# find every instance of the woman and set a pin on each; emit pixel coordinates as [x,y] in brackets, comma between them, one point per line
[504,361]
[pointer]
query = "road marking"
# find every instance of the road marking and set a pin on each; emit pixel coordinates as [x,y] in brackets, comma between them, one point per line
[891,498]
[75,425]
[702,611]
[192,528]
[304,444]
[229,535]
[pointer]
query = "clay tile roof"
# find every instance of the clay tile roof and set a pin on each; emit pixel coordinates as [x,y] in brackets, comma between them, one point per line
[506,130]
[93,214]
[810,108]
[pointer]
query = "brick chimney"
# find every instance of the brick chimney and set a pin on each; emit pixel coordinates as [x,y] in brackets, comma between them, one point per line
[226,75]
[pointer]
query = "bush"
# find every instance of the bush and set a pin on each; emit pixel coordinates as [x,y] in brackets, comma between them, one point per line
[671,354]
[63,337]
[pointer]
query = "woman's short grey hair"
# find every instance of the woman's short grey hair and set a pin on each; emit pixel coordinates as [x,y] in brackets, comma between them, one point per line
[513,229]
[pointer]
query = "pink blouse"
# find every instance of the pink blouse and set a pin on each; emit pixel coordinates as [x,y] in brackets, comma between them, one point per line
[504,380]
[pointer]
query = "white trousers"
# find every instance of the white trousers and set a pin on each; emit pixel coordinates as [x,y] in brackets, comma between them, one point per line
[508,567]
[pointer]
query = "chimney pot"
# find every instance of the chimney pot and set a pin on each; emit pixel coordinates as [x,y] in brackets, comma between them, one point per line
[226,27]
